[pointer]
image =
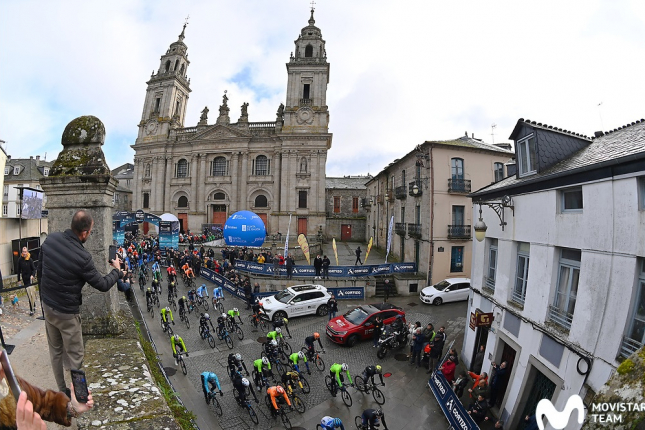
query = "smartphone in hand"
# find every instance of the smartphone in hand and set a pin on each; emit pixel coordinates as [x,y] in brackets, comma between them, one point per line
[112,254]
[11,377]
[80,386]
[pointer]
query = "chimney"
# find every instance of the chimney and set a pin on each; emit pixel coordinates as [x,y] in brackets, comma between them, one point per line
[598,133]
[466,133]
[8,157]
[506,146]
[31,157]
[473,135]
[37,160]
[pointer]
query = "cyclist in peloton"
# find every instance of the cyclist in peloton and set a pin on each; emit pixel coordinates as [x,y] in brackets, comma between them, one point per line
[263,368]
[142,279]
[273,335]
[282,323]
[257,307]
[172,274]
[177,342]
[234,313]
[221,324]
[156,286]
[183,304]
[309,343]
[235,362]
[209,382]
[371,418]
[270,347]
[240,385]
[149,296]
[218,293]
[295,358]
[329,423]
[371,371]
[164,318]
[172,289]
[289,378]
[335,373]
[204,320]
[156,270]
[202,292]
[274,394]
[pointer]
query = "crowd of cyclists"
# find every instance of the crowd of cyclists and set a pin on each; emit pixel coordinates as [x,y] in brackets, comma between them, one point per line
[278,370]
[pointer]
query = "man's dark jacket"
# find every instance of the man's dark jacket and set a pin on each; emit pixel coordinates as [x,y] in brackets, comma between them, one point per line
[65,266]
[26,269]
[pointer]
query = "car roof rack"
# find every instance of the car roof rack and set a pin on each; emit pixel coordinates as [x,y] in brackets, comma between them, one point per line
[299,288]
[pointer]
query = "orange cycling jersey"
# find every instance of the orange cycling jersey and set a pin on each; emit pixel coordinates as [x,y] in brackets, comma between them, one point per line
[185,267]
[273,393]
[189,272]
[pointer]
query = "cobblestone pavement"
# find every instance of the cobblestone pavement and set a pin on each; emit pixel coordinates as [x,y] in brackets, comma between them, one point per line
[409,403]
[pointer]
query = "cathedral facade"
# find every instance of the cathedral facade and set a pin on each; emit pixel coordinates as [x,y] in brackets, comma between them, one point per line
[205,173]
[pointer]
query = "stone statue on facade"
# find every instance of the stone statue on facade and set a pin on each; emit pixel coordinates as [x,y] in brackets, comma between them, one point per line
[280,112]
[204,116]
[223,111]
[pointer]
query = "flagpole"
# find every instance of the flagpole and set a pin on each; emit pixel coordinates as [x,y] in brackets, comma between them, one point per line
[286,242]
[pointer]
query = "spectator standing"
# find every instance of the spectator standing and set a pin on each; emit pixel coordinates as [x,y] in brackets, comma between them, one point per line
[248,292]
[448,369]
[256,290]
[477,410]
[332,304]
[358,256]
[65,268]
[429,333]
[386,289]
[478,361]
[27,270]
[290,263]
[318,263]
[378,328]
[417,346]
[499,372]
[459,384]
[325,267]
[455,356]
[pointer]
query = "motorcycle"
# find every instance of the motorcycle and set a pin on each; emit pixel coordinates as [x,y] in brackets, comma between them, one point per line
[391,339]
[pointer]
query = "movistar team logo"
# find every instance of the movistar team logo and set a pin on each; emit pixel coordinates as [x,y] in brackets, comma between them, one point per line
[557,419]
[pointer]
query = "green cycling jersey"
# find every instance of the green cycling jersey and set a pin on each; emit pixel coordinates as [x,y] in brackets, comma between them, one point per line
[337,368]
[174,343]
[258,365]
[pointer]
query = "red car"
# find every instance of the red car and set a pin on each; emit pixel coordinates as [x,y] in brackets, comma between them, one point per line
[358,323]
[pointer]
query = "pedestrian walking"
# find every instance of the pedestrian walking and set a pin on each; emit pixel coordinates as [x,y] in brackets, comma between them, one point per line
[358,256]
[318,264]
[66,266]
[332,304]
[386,289]
[378,328]
[325,267]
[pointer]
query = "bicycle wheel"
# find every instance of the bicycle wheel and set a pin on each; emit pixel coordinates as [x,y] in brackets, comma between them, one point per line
[320,364]
[264,325]
[298,404]
[229,341]
[360,383]
[253,415]
[211,340]
[347,399]
[287,348]
[285,421]
[328,381]
[305,385]
[378,396]
[216,406]
[284,358]
[158,303]
[220,307]
[174,306]
[279,368]
[170,332]
[187,322]
[240,333]
[358,421]
[183,367]
[205,303]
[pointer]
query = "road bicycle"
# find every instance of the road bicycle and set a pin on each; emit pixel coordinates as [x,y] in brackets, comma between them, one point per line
[367,387]
[234,327]
[189,282]
[183,317]
[261,378]
[205,333]
[202,301]
[150,302]
[246,403]
[278,359]
[259,320]
[182,364]
[296,402]
[283,415]
[217,304]
[214,403]
[284,345]
[333,388]
[222,334]
[172,303]
[297,379]
[314,357]
[165,326]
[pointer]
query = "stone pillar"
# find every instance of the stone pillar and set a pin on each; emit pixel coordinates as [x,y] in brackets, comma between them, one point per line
[192,205]
[80,179]
[244,182]
[201,186]
[235,173]
[169,172]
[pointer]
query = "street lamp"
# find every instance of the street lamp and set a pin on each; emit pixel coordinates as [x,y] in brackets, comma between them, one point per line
[415,189]
[481,227]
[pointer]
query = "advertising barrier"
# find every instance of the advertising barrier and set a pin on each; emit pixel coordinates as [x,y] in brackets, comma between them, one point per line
[349,293]
[221,281]
[334,271]
[449,402]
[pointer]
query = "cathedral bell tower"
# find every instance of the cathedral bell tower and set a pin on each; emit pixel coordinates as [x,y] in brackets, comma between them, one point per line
[167,94]
[308,75]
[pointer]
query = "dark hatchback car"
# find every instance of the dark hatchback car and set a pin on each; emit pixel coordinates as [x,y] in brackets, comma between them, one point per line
[358,323]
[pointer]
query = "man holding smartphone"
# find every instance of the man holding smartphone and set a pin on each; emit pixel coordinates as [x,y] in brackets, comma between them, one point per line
[66,266]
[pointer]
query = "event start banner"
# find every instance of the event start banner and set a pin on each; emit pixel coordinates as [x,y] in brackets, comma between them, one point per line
[334,271]
[452,408]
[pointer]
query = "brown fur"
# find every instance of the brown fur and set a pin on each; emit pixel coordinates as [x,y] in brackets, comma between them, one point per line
[51,405]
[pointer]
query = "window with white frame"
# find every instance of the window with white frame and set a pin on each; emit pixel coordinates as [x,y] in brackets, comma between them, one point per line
[16,170]
[571,200]
[219,166]
[521,272]
[491,270]
[261,165]
[527,155]
[635,337]
[564,303]
[46,171]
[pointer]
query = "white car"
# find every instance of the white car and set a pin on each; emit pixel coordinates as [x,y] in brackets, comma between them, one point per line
[448,290]
[297,301]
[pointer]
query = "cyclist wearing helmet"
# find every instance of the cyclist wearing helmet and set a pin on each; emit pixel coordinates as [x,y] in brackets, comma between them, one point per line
[234,313]
[155,285]
[256,307]
[221,324]
[191,296]
[263,368]
[282,323]
[142,278]
[183,303]
[204,320]
[240,385]
[202,291]
[177,342]
[235,363]
[295,358]
[165,311]
[172,289]
[273,335]
[218,293]
[271,348]
[371,371]
[329,423]
[309,343]
[371,418]
[209,382]
[156,270]
[149,296]
[335,373]
[172,273]
[274,394]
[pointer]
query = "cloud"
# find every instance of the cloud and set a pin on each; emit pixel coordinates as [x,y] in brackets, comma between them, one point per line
[400,73]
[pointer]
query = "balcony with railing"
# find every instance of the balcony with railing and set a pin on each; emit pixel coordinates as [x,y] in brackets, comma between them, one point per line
[629,346]
[560,317]
[306,102]
[459,186]
[400,192]
[518,297]
[366,202]
[379,199]
[458,232]
[414,188]
[399,228]
[414,230]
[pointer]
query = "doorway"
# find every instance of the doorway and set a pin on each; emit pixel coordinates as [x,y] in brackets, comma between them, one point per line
[541,388]
[345,232]
[508,356]
[481,337]
[219,214]
[183,222]
[263,217]
[146,227]
[302,226]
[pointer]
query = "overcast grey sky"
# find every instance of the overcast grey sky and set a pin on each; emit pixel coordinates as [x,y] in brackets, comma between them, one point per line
[401,72]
